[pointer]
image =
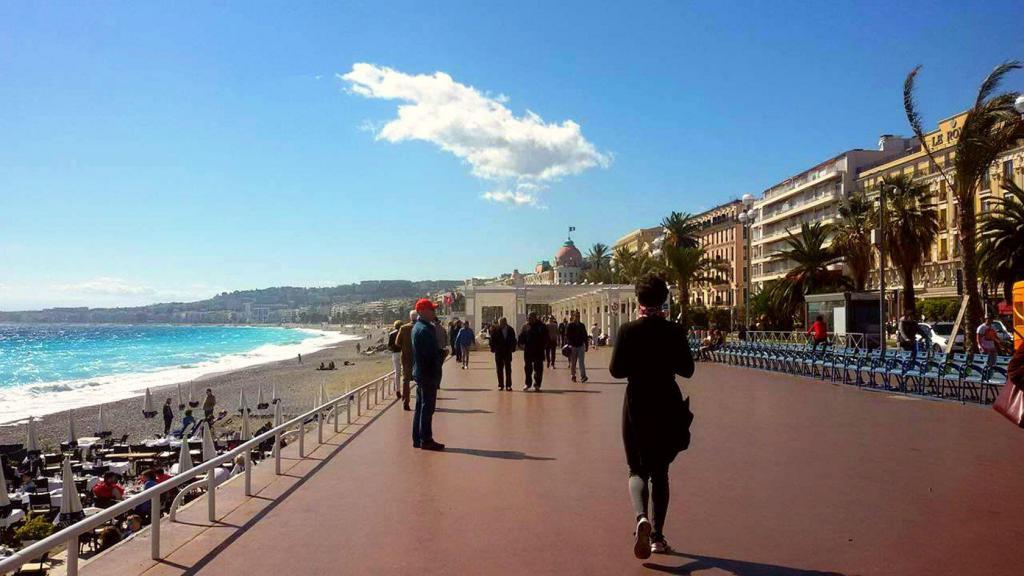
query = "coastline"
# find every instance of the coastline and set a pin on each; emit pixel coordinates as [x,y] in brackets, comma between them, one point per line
[297,385]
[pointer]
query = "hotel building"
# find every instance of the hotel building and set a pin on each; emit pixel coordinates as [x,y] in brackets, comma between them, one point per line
[813,195]
[638,240]
[722,237]
[937,277]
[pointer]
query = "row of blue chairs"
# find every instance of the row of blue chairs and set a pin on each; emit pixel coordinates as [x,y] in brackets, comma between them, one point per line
[964,377]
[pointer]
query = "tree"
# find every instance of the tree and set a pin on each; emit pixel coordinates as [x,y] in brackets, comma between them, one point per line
[811,271]
[911,227]
[991,127]
[598,256]
[629,266]
[1001,253]
[852,238]
[686,267]
[681,230]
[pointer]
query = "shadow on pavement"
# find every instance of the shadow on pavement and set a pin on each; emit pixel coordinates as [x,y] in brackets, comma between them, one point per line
[500,454]
[556,391]
[468,390]
[463,410]
[735,567]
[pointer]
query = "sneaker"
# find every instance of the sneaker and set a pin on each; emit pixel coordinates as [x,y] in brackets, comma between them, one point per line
[573,377]
[642,546]
[659,545]
[526,388]
[433,446]
[585,379]
[406,408]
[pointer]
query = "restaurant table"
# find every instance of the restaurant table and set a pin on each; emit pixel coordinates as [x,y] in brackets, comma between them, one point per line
[13,518]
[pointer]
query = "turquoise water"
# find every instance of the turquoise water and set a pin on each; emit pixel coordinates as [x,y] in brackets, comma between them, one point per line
[48,353]
[50,368]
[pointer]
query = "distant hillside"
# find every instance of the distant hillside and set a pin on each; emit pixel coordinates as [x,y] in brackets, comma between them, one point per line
[377,299]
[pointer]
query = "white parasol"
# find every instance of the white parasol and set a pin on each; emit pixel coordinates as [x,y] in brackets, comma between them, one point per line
[147,405]
[245,426]
[261,404]
[278,417]
[323,394]
[32,442]
[209,448]
[192,395]
[104,423]
[181,404]
[71,502]
[273,395]
[4,499]
[184,457]
[243,404]
[72,435]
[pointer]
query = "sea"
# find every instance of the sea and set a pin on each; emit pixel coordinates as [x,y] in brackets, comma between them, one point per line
[49,368]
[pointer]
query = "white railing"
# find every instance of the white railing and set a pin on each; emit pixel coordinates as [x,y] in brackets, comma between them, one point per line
[376,390]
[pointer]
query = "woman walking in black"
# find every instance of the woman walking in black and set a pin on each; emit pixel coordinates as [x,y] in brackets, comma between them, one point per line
[649,352]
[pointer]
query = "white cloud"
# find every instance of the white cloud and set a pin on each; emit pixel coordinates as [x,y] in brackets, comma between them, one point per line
[523,153]
[105,286]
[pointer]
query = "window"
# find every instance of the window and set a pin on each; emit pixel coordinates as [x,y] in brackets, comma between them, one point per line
[943,221]
[1007,170]
[943,249]
[985,180]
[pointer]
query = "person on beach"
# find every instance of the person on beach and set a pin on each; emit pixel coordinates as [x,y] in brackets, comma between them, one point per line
[550,351]
[503,343]
[649,352]
[464,340]
[404,343]
[534,340]
[427,363]
[300,358]
[576,338]
[187,421]
[209,405]
[168,416]
[396,352]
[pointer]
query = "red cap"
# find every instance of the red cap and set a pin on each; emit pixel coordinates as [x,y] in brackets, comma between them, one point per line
[425,304]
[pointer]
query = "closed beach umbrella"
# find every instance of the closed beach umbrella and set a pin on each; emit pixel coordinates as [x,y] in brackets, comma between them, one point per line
[273,395]
[71,502]
[104,424]
[209,448]
[181,405]
[147,405]
[245,426]
[278,417]
[32,442]
[184,457]
[243,404]
[4,499]
[323,394]
[192,395]
[72,436]
[260,403]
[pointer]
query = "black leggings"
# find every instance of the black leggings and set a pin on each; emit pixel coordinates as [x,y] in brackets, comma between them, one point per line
[648,481]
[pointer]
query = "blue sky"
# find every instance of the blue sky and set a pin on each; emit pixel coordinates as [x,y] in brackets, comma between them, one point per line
[157,152]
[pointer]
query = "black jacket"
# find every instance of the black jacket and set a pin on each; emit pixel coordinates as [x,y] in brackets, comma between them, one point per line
[650,352]
[576,334]
[393,341]
[534,340]
[168,413]
[503,341]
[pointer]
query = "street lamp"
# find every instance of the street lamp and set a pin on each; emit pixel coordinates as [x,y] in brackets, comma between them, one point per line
[746,218]
[881,266]
[1018,104]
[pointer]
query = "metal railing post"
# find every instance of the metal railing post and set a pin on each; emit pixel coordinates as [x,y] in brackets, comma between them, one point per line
[277,453]
[154,526]
[337,418]
[320,427]
[248,472]
[348,410]
[302,440]
[359,403]
[211,496]
[72,561]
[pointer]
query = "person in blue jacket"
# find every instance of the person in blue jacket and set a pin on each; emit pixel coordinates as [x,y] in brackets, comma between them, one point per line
[426,370]
[464,340]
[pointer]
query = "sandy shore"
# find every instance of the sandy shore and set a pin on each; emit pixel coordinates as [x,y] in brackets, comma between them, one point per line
[297,385]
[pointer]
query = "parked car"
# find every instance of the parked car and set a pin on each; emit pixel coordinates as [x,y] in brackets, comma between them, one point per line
[940,336]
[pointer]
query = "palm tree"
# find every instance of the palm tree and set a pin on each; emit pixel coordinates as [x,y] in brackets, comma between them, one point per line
[990,127]
[686,267]
[681,230]
[598,256]
[852,238]
[630,266]
[1002,236]
[810,272]
[911,228]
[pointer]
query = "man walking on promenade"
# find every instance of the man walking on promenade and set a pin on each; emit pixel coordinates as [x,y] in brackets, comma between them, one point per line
[503,344]
[396,352]
[404,342]
[576,337]
[549,352]
[534,340]
[426,371]
[464,339]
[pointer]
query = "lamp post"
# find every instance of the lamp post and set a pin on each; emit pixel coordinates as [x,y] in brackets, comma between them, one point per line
[746,218]
[881,266]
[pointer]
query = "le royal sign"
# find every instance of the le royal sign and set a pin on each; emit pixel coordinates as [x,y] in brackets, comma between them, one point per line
[947,134]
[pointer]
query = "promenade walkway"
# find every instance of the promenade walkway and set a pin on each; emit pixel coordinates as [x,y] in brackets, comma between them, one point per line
[785,476]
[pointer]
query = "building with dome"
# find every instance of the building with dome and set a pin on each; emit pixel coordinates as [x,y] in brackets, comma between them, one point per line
[567,268]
